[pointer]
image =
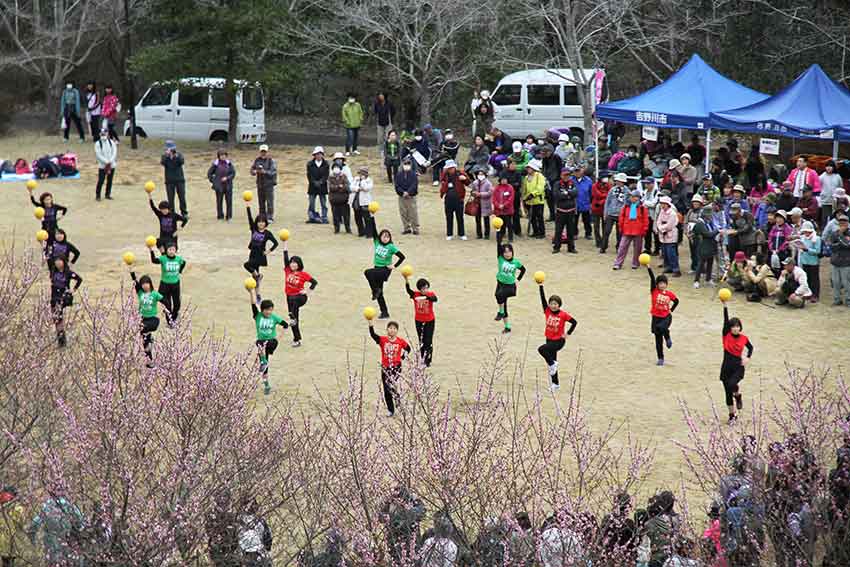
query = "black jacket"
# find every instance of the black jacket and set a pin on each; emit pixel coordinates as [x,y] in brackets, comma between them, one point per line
[384,113]
[565,195]
[317,178]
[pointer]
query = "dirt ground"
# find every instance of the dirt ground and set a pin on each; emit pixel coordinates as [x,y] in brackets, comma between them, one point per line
[619,373]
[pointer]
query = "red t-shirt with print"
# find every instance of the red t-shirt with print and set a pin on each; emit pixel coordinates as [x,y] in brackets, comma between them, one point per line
[662,300]
[555,323]
[392,351]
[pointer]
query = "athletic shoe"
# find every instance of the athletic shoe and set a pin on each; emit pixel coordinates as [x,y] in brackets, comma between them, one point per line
[553,368]
[357,152]
[696,285]
[499,317]
[660,362]
[732,419]
[615,267]
[634,267]
[691,272]
[390,414]
[554,387]
[150,364]
[408,231]
[556,251]
[669,342]
[384,316]
[739,401]
[267,389]
[296,344]
[347,154]
[463,238]
[572,251]
[449,237]
[588,237]
[506,330]
[436,184]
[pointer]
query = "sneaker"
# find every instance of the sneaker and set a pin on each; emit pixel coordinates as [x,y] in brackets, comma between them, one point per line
[739,401]
[634,267]
[691,272]
[357,152]
[553,368]
[449,237]
[813,299]
[660,362]
[347,154]
[384,316]
[390,413]
[267,389]
[588,237]
[109,197]
[615,267]
[506,330]
[415,233]
[499,317]
[732,419]
[572,251]
[436,184]
[150,364]
[696,285]
[556,251]
[463,238]
[407,231]
[669,342]
[296,344]
[554,387]
[602,251]
[677,274]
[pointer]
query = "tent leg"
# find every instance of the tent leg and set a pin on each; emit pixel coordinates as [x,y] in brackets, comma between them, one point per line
[835,149]
[680,134]
[708,150]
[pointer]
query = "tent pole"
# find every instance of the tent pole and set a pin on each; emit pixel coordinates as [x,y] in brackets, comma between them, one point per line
[835,148]
[680,134]
[708,150]
[596,146]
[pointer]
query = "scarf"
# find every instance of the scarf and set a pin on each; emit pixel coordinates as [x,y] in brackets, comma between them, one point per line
[633,211]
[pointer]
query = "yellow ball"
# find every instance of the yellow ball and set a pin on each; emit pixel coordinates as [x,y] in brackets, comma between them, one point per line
[247,196]
[497,223]
[644,259]
[374,207]
[250,283]
[129,258]
[539,277]
[39,213]
[407,270]
[150,241]
[724,294]
[369,313]
[32,184]
[150,186]
[41,235]
[283,234]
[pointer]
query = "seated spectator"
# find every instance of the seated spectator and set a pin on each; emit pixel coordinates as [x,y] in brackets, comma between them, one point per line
[793,285]
[735,275]
[631,164]
[759,280]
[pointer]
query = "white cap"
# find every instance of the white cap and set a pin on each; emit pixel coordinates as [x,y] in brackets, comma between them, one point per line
[264,147]
[621,177]
[534,164]
[697,198]
[318,150]
[516,146]
[796,211]
[563,138]
[338,155]
[450,163]
[485,94]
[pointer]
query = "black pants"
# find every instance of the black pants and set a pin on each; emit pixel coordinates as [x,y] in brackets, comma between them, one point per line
[256,260]
[517,212]
[341,215]
[651,244]
[549,352]
[179,187]
[730,391]
[538,226]
[568,221]
[437,170]
[610,224]
[704,268]
[454,211]
[364,228]
[478,222]
[166,239]
[550,201]
[101,176]
[389,377]
[503,292]
[149,326]
[585,220]
[266,349]
[94,124]
[392,170]
[660,327]
[507,226]
[813,273]
[376,278]
[222,198]
[425,331]
[170,299]
[73,116]
[295,303]
[110,127]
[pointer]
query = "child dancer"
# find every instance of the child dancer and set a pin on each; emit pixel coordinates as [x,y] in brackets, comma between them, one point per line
[260,234]
[266,322]
[60,247]
[423,313]
[510,271]
[168,220]
[296,294]
[148,301]
[169,281]
[52,211]
[734,364]
[662,304]
[61,294]
[384,252]
[393,349]
[556,319]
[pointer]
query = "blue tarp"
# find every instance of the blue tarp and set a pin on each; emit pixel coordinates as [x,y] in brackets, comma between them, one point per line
[685,100]
[813,106]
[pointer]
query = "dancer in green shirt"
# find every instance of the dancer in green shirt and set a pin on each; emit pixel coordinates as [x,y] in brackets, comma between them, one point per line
[510,271]
[169,282]
[266,322]
[148,309]
[385,250]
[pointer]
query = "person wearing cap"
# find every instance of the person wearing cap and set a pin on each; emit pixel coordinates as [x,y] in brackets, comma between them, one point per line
[11,526]
[534,197]
[598,195]
[803,175]
[519,156]
[221,174]
[175,181]
[793,285]
[339,192]
[829,182]
[651,193]
[839,242]
[809,246]
[707,189]
[736,273]
[339,160]
[384,112]
[453,191]
[667,228]
[352,120]
[503,206]
[264,169]
[687,171]
[614,202]
[705,235]
[563,149]
[631,164]
[318,172]
[691,219]
[407,188]
[778,243]
[738,196]
[566,203]
[361,191]
[742,231]
[809,205]
[552,166]
[633,221]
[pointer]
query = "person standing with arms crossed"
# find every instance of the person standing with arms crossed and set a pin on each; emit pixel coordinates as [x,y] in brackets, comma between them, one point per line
[264,169]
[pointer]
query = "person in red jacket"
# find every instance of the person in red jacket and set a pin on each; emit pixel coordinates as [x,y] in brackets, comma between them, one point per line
[423,313]
[810,205]
[633,222]
[453,184]
[393,349]
[734,363]
[598,194]
[556,320]
[503,206]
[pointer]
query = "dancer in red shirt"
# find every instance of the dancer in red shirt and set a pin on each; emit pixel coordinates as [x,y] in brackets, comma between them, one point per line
[734,364]
[556,320]
[296,280]
[393,349]
[423,313]
[662,305]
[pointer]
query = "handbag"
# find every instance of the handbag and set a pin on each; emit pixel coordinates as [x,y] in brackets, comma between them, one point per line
[472,207]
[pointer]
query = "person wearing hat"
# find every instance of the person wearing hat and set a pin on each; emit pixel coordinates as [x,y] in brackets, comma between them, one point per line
[339,160]
[175,181]
[705,235]
[534,197]
[264,169]
[687,171]
[778,243]
[651,192]
[735,274]
[519,156]
[793,285]
[614,202]
[691,219]
[563,150]
[738,196]
[803,175]
[809,251]
[565,198]
[741,232]
[361,191]
[407,188]
[318,172]
[483,109]
[453,191]
[352,120]
[829,182]
[339,192]
[221,174]
[840,260]
[633,221]
[707,189]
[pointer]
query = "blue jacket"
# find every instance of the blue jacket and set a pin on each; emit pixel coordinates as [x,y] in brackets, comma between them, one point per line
[70,98]
[810,256]
[406,181]
[584,186]
[615,200]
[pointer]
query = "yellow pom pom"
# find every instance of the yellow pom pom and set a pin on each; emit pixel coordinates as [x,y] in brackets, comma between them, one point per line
[129,258]
[41,235]
[369,313]
[724,294]
[497,223]
[283,234]
[644,259]
[374,207]
[39,213]
[247,196]
[250,283]
[407,270]
[32,184]
[539,277]
[150,186]
[150,241]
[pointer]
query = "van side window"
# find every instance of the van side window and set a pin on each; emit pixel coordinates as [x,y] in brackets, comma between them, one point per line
[219,98]
[544,95]
[570,95]
[252,98]
[157,96]
[193,96]
[507,95]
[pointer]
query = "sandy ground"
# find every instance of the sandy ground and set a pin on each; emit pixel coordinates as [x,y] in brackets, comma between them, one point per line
[620,377]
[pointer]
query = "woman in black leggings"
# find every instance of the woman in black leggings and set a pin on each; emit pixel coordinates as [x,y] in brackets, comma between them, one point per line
[556,319]
[260,234]
[295,289]
[385,250]
[662,304]
[734,364]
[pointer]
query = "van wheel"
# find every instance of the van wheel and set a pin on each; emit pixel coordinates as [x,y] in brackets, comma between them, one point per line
[218,136]
[577,132]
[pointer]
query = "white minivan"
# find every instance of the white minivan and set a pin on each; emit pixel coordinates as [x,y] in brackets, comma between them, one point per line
[535,100]
[197,110]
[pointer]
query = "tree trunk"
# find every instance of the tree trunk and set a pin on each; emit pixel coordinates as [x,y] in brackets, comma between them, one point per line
[425,105]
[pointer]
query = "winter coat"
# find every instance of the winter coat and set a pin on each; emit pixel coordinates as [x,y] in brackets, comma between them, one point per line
[267,176]
[777,241]
[392,153]
[745,225]
[362,191]
[705,237]
[70,100]
[173,167]
[762,275]
[215,179]
[485,195]
[633,226]
[317,177]
[565,196]
[435,138]
[106,153]
[521,160]
[534,189]
[339,189]
[828,185]
[585,188]
[811,208]
[650,201]
[812,180]
[810,250]
[667,225]
[11,529]
[689,174]
[630,166]
[598,195]
[450,148]
[407,182]
[352,115]
[383,112]
[479,156]
[109,109]
[459,181]
[552,169]
[503,200]
[615,200]
[840,244]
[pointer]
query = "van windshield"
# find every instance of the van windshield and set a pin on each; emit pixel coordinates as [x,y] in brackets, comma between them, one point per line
[252,98]
[157,96]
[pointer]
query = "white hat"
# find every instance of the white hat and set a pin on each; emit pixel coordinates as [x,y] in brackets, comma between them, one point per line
[516,146]
[563,138]
[450,163]
[621,177]
[318,150]
[807,227]
[534,164]
[665,199]
[674,163]
[796,211]
[264,147]
[685,156]
[338,155]
[485,94]
[697,198]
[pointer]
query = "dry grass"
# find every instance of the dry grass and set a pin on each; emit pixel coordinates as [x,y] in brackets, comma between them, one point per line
[620,376]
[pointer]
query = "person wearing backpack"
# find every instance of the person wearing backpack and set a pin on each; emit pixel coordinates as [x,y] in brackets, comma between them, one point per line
[69,109]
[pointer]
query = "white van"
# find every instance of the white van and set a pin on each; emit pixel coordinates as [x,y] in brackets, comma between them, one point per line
[197,110]
[532,101]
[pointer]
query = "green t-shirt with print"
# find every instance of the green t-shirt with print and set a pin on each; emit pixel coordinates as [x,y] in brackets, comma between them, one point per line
[507,270]
[170,269]
[384,254]
[148,301]
[267,326]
